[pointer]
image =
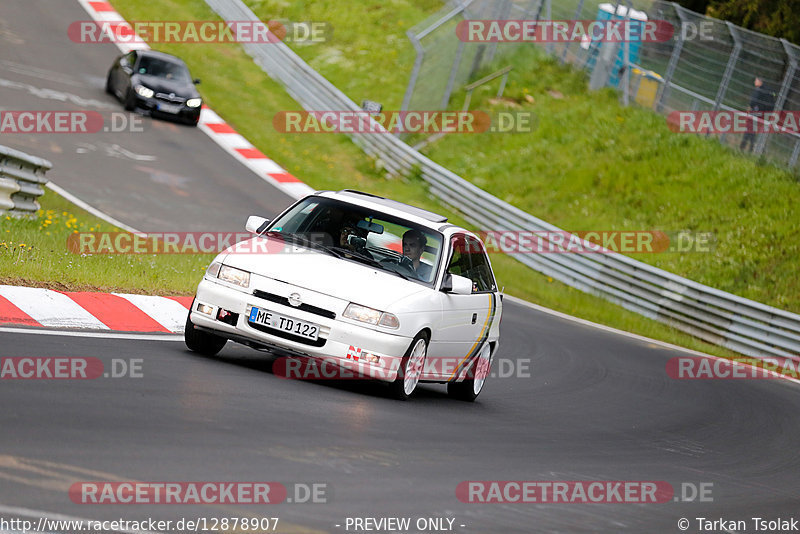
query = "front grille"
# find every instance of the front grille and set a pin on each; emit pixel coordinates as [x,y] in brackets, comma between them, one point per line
[285,301]
[320,342]
[173,99]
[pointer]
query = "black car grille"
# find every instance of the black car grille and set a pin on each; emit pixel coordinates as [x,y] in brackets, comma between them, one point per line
[285,301]
[170,98]
[319,342]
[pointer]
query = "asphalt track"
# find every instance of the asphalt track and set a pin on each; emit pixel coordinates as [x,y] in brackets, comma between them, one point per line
[597,406]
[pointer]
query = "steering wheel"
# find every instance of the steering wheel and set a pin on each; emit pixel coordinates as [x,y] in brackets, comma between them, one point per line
[407,265]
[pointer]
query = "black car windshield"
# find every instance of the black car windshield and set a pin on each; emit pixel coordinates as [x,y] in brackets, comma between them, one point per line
[365,236]
[160,68]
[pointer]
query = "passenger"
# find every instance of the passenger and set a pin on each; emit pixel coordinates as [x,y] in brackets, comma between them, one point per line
[414,242]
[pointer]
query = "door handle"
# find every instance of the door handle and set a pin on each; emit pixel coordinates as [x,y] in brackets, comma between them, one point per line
[474,318]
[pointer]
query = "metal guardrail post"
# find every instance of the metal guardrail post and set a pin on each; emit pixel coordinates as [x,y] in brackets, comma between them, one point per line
[21,180]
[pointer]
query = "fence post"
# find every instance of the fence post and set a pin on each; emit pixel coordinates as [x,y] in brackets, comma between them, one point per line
[576,17]
[734,57]
[673,61]
[502,12]
[451,80]
[548,13]
[626,59]
[782,94]
[530,6]
[414,72]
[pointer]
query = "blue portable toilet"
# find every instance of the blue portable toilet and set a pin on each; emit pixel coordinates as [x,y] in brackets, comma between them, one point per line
[605,12]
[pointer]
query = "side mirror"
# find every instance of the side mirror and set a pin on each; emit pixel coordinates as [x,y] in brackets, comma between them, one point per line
[456,284]
[256,225]
[127,70]
[196,81]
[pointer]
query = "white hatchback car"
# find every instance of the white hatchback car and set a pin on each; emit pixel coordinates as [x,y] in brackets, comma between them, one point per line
[378,288]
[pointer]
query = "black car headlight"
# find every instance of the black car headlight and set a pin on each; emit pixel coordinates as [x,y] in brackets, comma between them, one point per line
[144,92]
[194,102]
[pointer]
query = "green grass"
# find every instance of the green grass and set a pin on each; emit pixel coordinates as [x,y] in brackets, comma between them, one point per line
[34,252]
[592,164]
[373,61]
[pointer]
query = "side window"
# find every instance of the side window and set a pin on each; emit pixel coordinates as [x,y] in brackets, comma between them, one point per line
[459,261]
[479,271]
[128,60]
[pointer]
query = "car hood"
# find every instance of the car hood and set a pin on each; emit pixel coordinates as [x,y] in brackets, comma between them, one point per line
[323,273]
[162,85]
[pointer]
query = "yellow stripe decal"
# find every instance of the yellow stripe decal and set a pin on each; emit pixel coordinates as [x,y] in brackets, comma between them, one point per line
[481,338]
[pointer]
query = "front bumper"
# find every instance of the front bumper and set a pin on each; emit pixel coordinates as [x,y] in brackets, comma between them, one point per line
[340,342]
[155,107]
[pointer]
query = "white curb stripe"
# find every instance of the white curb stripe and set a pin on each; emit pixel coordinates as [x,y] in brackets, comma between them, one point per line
[168,313]
[50,308]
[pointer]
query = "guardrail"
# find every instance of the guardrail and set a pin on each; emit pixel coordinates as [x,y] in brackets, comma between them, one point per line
[21,180]
[742,325]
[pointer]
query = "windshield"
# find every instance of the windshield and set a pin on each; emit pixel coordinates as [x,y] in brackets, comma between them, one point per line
[365,236]
[151,66]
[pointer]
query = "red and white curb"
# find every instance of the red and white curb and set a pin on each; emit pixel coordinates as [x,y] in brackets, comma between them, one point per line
[212,124]
[31,306]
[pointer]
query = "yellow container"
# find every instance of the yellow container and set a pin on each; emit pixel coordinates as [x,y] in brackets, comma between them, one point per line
[647,88]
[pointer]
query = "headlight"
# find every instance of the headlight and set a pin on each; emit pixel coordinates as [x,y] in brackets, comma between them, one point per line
[143,91]
[213,269]
[194,102]
[234,276]
[371,316]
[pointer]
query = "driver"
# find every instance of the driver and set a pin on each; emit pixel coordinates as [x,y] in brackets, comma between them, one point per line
[413,245]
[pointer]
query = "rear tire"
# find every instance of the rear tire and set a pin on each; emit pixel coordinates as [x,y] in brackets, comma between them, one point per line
[469,389]
[200,341]
[411,367]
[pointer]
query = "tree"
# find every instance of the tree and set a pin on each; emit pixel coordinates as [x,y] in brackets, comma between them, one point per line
[772,17]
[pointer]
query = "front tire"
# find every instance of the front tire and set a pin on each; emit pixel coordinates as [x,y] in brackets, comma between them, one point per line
[109,88]
[199,341]
[469,389]
[130,100]
[411,367]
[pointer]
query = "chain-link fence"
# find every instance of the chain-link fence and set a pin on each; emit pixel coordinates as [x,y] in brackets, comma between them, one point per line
[706,65]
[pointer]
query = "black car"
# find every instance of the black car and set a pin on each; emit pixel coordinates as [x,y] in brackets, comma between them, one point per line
[156,83]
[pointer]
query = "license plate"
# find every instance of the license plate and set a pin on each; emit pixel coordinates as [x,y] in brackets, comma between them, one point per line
[169,108]
[286,324]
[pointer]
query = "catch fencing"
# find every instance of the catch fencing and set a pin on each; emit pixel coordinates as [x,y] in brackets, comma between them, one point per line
[718,317]
[706,65]
[21,181]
